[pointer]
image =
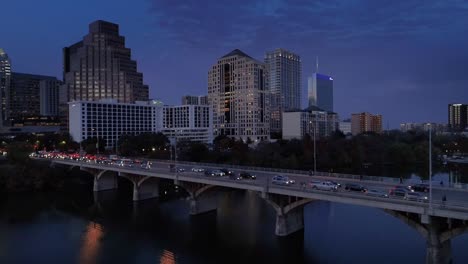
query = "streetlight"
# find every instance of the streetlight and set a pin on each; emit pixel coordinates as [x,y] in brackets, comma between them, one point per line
[430,166]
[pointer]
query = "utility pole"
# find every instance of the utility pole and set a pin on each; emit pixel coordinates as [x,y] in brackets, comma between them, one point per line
[430,166]
[315,147]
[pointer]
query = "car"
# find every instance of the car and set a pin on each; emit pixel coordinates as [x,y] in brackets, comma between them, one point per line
[236,177]
[217,173]
[355,187]
[415,196]
[421,187]
[281,180]
[180,169]
[324,186]
[247,175]
[399,192]
[377,193]
[227,171]
[198,169]
[145,165]
[337,184]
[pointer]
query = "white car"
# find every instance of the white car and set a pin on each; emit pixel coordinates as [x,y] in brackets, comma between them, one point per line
[198,170]
[323,186]
[281,180]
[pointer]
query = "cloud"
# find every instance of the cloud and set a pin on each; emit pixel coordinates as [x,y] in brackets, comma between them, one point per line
[231,23]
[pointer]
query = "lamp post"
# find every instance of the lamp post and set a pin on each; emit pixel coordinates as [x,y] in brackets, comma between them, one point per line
[315,146]
[430,166]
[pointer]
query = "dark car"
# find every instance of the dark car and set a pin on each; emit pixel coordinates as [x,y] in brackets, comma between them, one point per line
[246,175]
[421,187]
[399,191]
[355,187]
[227,171]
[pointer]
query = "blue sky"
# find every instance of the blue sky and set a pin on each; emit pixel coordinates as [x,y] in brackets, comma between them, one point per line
[403,59]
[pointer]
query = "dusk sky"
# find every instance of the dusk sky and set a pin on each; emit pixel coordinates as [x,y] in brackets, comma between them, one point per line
[404,59]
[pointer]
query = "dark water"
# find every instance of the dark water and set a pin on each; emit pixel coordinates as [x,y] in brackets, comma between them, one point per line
[72,228]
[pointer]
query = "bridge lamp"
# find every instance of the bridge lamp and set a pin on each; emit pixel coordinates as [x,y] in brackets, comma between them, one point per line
[153,149]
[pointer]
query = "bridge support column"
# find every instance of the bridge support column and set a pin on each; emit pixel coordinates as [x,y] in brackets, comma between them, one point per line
[438,251]
[289,212]
[144,187]
[290,222]
[104,182]
[201,206]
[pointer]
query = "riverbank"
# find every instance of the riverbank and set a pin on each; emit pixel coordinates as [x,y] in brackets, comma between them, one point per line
[30,176]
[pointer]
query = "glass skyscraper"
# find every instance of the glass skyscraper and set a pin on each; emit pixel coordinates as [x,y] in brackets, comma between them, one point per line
[5,80]
[320,89]
[284,80]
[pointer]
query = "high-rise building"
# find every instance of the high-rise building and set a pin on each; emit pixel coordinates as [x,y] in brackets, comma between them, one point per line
[312,121]
[284,81]
[239,96]
[100,67]
[345,126]
[365,122]
[434,127]
[5,80]
[188,122]
[194,100]
[320,89]
[49,94]
[457,117]
[24,95]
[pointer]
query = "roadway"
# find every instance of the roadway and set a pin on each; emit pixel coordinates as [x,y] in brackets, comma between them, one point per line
[455,207]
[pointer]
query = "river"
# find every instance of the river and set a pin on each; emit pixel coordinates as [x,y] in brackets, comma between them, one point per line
[76,227]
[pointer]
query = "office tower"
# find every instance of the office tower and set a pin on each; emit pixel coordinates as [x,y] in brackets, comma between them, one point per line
[238,94]
[24,95]
[194,100]
[49,94]
[190,122]
[5,80]
[100,67]
[313,120]
[457,117]
[284,81]
[365,122]
[345,126]
[320,89]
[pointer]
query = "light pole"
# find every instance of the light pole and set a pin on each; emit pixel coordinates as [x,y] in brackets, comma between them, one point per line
[430,166]
[315,147]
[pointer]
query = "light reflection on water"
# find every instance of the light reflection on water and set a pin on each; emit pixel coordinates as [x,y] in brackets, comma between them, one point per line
[241,231]
[91,243]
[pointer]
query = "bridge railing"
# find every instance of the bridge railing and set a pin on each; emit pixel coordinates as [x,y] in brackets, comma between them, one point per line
[383,179]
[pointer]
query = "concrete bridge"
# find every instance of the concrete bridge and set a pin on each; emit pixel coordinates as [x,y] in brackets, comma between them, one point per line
[438,223]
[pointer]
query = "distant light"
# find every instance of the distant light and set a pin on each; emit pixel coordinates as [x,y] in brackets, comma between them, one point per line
[331,79]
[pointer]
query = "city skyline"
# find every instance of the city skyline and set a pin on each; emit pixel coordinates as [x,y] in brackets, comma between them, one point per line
[385,58]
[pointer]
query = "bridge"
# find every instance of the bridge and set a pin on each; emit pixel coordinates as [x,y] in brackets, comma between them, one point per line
[438,222]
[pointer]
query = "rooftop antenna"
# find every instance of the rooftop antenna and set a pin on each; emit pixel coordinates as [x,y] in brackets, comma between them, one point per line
[316,64]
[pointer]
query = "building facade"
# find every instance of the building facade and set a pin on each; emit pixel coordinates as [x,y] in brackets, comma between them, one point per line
[49,94]
[239,97]
[108,120]
[284,83]
[24,95]
[312,121]
[320,91]
[436,128]
[188,122]
[195,100]
[5,80]
[100,67]
[365,122]
[345,127]
[457,117]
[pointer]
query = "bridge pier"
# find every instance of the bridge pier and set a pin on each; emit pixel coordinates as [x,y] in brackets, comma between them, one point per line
[437,251]
[103,180]
[290,222]
[289,213]
[438,233]
[198,203]
[144,187]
